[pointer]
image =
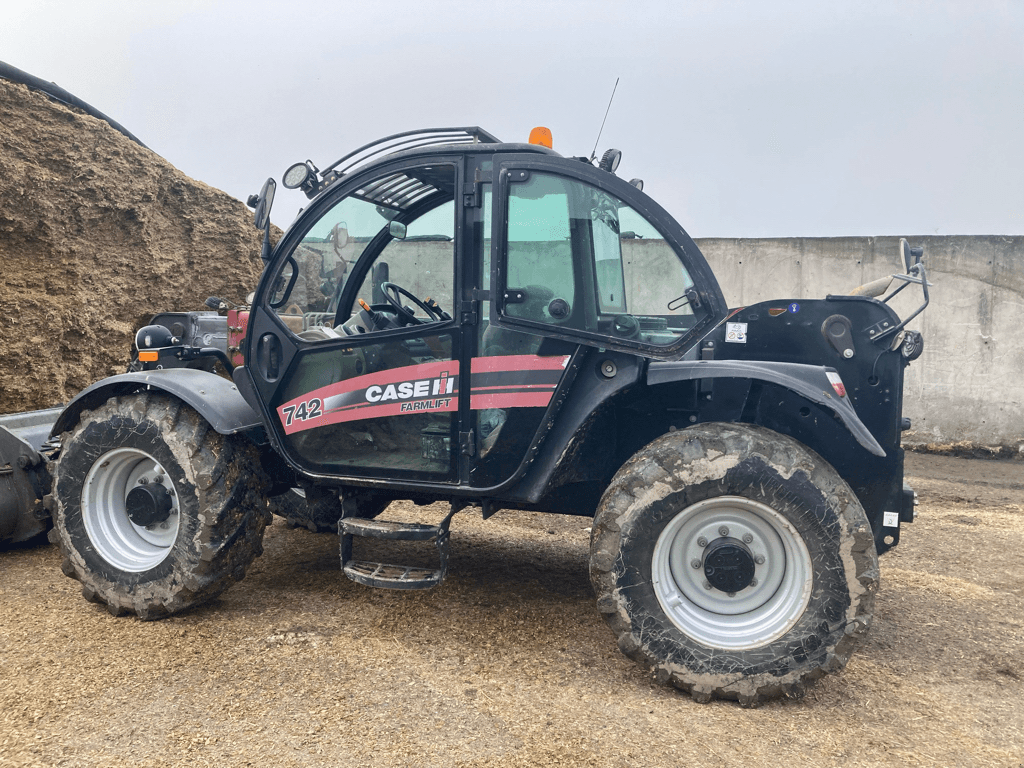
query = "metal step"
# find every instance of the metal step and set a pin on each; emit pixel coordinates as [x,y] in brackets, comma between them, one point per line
[386,529]
[385,575]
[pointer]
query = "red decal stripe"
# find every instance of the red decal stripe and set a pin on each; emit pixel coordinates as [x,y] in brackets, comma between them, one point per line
[551,387]
[510,400]
[518,363]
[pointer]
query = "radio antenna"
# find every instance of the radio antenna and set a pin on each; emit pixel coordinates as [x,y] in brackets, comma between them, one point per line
[594,153]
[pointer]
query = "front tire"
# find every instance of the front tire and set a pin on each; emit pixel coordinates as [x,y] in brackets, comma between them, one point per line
[735,562]
[156,512]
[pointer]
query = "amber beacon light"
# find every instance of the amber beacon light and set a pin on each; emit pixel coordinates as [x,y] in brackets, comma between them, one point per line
[541,135]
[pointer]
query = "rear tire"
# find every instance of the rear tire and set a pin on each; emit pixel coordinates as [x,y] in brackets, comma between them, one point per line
[735,562]
[176,545]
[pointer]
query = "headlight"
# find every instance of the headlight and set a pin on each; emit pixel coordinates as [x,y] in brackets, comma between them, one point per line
[296,176]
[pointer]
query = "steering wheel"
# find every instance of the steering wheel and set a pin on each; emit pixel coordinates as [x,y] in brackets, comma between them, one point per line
[407,317]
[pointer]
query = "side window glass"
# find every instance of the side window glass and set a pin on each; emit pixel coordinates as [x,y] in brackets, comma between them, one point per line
[645,253]
[423,263]
[583,259]
[539,267]
[409,216]
[310,282]
[611,289]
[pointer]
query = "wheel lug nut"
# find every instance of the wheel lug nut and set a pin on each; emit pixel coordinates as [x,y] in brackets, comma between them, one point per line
[723,531]
[143,481]
[732,594]
[753,582]
[702,542]
[158,479]
[759,559]
[695,563]
[707,585]
[747,538]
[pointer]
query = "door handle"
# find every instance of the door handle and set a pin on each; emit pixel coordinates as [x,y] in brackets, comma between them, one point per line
[268,357]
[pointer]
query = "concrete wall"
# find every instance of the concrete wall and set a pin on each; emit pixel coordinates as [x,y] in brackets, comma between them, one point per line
[969,383]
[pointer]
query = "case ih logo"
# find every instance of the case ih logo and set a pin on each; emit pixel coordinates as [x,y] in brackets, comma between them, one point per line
[414,390]
[511,381]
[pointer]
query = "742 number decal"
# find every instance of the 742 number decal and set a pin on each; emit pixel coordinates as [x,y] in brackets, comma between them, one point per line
[311,409]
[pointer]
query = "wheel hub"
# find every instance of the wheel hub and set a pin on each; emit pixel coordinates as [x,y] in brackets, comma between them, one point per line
[731,572]
[148,504]
[728,564]
[130,509]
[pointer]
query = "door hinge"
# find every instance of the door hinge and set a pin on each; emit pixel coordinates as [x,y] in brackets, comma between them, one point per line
[471,194]
[467,443]
[469,313]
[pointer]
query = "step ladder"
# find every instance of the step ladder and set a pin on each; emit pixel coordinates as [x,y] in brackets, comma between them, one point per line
[386,575]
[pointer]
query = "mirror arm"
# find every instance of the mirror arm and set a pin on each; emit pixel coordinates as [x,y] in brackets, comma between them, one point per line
[265,250]
[920,277]
[903,285]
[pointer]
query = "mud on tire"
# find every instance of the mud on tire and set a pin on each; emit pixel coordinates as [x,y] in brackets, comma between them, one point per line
[195,520]
[800,545]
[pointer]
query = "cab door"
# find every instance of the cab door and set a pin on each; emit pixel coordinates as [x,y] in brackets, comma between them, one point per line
[354,393]
[577,259]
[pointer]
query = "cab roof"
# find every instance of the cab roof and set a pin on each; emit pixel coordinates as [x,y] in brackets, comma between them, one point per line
[416,142]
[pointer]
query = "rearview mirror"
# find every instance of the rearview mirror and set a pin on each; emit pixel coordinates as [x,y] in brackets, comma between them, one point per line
[910,256]
[264,202]
[397,230]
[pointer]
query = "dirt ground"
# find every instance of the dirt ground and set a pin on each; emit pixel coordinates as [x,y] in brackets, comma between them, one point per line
[508,663]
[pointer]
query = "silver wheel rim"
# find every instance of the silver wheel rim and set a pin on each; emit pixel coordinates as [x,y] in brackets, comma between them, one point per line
[754,616]
[119,541]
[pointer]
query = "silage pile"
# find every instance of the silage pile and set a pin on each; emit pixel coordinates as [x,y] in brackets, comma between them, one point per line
[96,235]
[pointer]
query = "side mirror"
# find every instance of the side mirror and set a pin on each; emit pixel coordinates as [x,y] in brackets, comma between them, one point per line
[339,236]
[397,230]
[911,257]
[264,202]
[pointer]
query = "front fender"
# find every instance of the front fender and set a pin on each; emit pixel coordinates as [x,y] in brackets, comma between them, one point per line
[214,397]
[809,381]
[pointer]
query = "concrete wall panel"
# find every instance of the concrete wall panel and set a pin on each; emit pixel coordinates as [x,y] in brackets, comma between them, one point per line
[969,383]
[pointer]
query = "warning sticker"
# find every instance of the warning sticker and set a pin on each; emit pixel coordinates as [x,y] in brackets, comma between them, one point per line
[891,519]
[736,333]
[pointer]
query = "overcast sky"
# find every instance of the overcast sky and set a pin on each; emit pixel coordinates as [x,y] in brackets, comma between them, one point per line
[744,119]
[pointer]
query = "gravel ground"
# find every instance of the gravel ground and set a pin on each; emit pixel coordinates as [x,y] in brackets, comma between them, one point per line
[509,663]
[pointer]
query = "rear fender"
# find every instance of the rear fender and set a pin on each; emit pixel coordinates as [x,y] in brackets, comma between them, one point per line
[215,398]
[809,381]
